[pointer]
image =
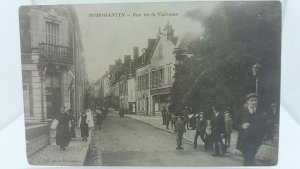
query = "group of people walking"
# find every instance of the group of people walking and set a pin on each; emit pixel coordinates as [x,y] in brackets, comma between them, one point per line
[64,123]
[252,124]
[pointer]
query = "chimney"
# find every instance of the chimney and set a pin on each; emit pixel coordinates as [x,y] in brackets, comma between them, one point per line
[130,68]
[135,52]
[127,59]
[170,32]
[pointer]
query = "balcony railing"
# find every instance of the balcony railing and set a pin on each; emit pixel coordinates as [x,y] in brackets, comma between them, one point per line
[57,53]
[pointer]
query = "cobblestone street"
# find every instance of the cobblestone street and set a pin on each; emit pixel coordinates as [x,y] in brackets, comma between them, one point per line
[125,141]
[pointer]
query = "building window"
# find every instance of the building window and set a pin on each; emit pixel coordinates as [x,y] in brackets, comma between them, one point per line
[52,33]
[152,78]
[160,51]
[143,82]
[160,77]
[27,93]
[146,80]
[143,104]
[143,58]
[169,74]
[139,83]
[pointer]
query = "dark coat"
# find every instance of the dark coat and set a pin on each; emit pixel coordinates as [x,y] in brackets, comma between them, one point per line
[169,115]
[254,135]
[201,124]
[179,126]
[72,129]
[84,128]
[63,131]
[164,112]
[228,125]
[218,124]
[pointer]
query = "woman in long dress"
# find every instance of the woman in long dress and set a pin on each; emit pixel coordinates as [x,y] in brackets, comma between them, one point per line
[72,129]
[63,132]
[84,128]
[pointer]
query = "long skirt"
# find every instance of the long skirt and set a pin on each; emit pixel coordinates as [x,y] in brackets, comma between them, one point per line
[72,132]
[62,136]
[84,131]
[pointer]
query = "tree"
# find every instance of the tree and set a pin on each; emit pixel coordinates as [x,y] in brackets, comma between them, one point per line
[236,36]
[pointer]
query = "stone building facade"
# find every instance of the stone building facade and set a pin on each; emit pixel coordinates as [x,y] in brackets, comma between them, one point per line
[142,80]
[52,64]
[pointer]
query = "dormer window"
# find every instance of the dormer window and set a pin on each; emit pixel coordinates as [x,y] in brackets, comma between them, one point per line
[143,55]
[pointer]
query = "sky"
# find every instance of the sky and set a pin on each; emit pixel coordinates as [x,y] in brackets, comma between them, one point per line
[106,39]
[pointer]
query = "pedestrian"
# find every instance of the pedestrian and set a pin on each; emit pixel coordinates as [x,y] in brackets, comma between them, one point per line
[251,125]
[164,114]
[90,122]
[208,136]
[218,131]
[228,126]
[99,118]
[201,125]
[193,121]
[121,113]
[273,121]
[84,128]
[186,113]
[106,111]
[63,131]
[179,130]
[72,129]
[168,118]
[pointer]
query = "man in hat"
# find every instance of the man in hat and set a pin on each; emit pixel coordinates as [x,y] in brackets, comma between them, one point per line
[218,131]
[251,124]
[168,118]
[179,130]
[164,115]
[200,129]
[186,113]
[273,121]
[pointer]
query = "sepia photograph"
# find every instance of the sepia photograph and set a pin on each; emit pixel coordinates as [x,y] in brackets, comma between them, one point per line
[172,84]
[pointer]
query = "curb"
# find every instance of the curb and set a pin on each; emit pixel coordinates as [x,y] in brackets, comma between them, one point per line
[86,154]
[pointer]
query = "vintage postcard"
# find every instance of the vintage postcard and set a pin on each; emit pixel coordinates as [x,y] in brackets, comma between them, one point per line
[152,84]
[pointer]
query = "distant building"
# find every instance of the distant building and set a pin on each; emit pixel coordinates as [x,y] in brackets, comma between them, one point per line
[115,74]
[123,83]
[131,95]
[162,62]
[142,79]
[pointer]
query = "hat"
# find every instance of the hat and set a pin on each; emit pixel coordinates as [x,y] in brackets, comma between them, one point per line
[226,112]
[250,95]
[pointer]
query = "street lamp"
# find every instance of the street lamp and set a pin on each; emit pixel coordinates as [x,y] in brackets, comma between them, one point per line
[256,70]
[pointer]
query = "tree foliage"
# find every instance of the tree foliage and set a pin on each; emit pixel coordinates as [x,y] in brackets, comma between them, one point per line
[237,35]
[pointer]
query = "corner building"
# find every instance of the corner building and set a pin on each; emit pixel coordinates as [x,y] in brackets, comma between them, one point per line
[162,69]
[53,68]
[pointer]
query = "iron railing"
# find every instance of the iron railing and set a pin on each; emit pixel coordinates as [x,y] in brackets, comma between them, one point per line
[56,52]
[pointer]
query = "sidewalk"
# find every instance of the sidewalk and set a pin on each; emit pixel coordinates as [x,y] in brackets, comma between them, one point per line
[266,153]
[75,154]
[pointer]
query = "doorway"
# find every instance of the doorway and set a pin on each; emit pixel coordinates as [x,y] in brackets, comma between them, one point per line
[53,94]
